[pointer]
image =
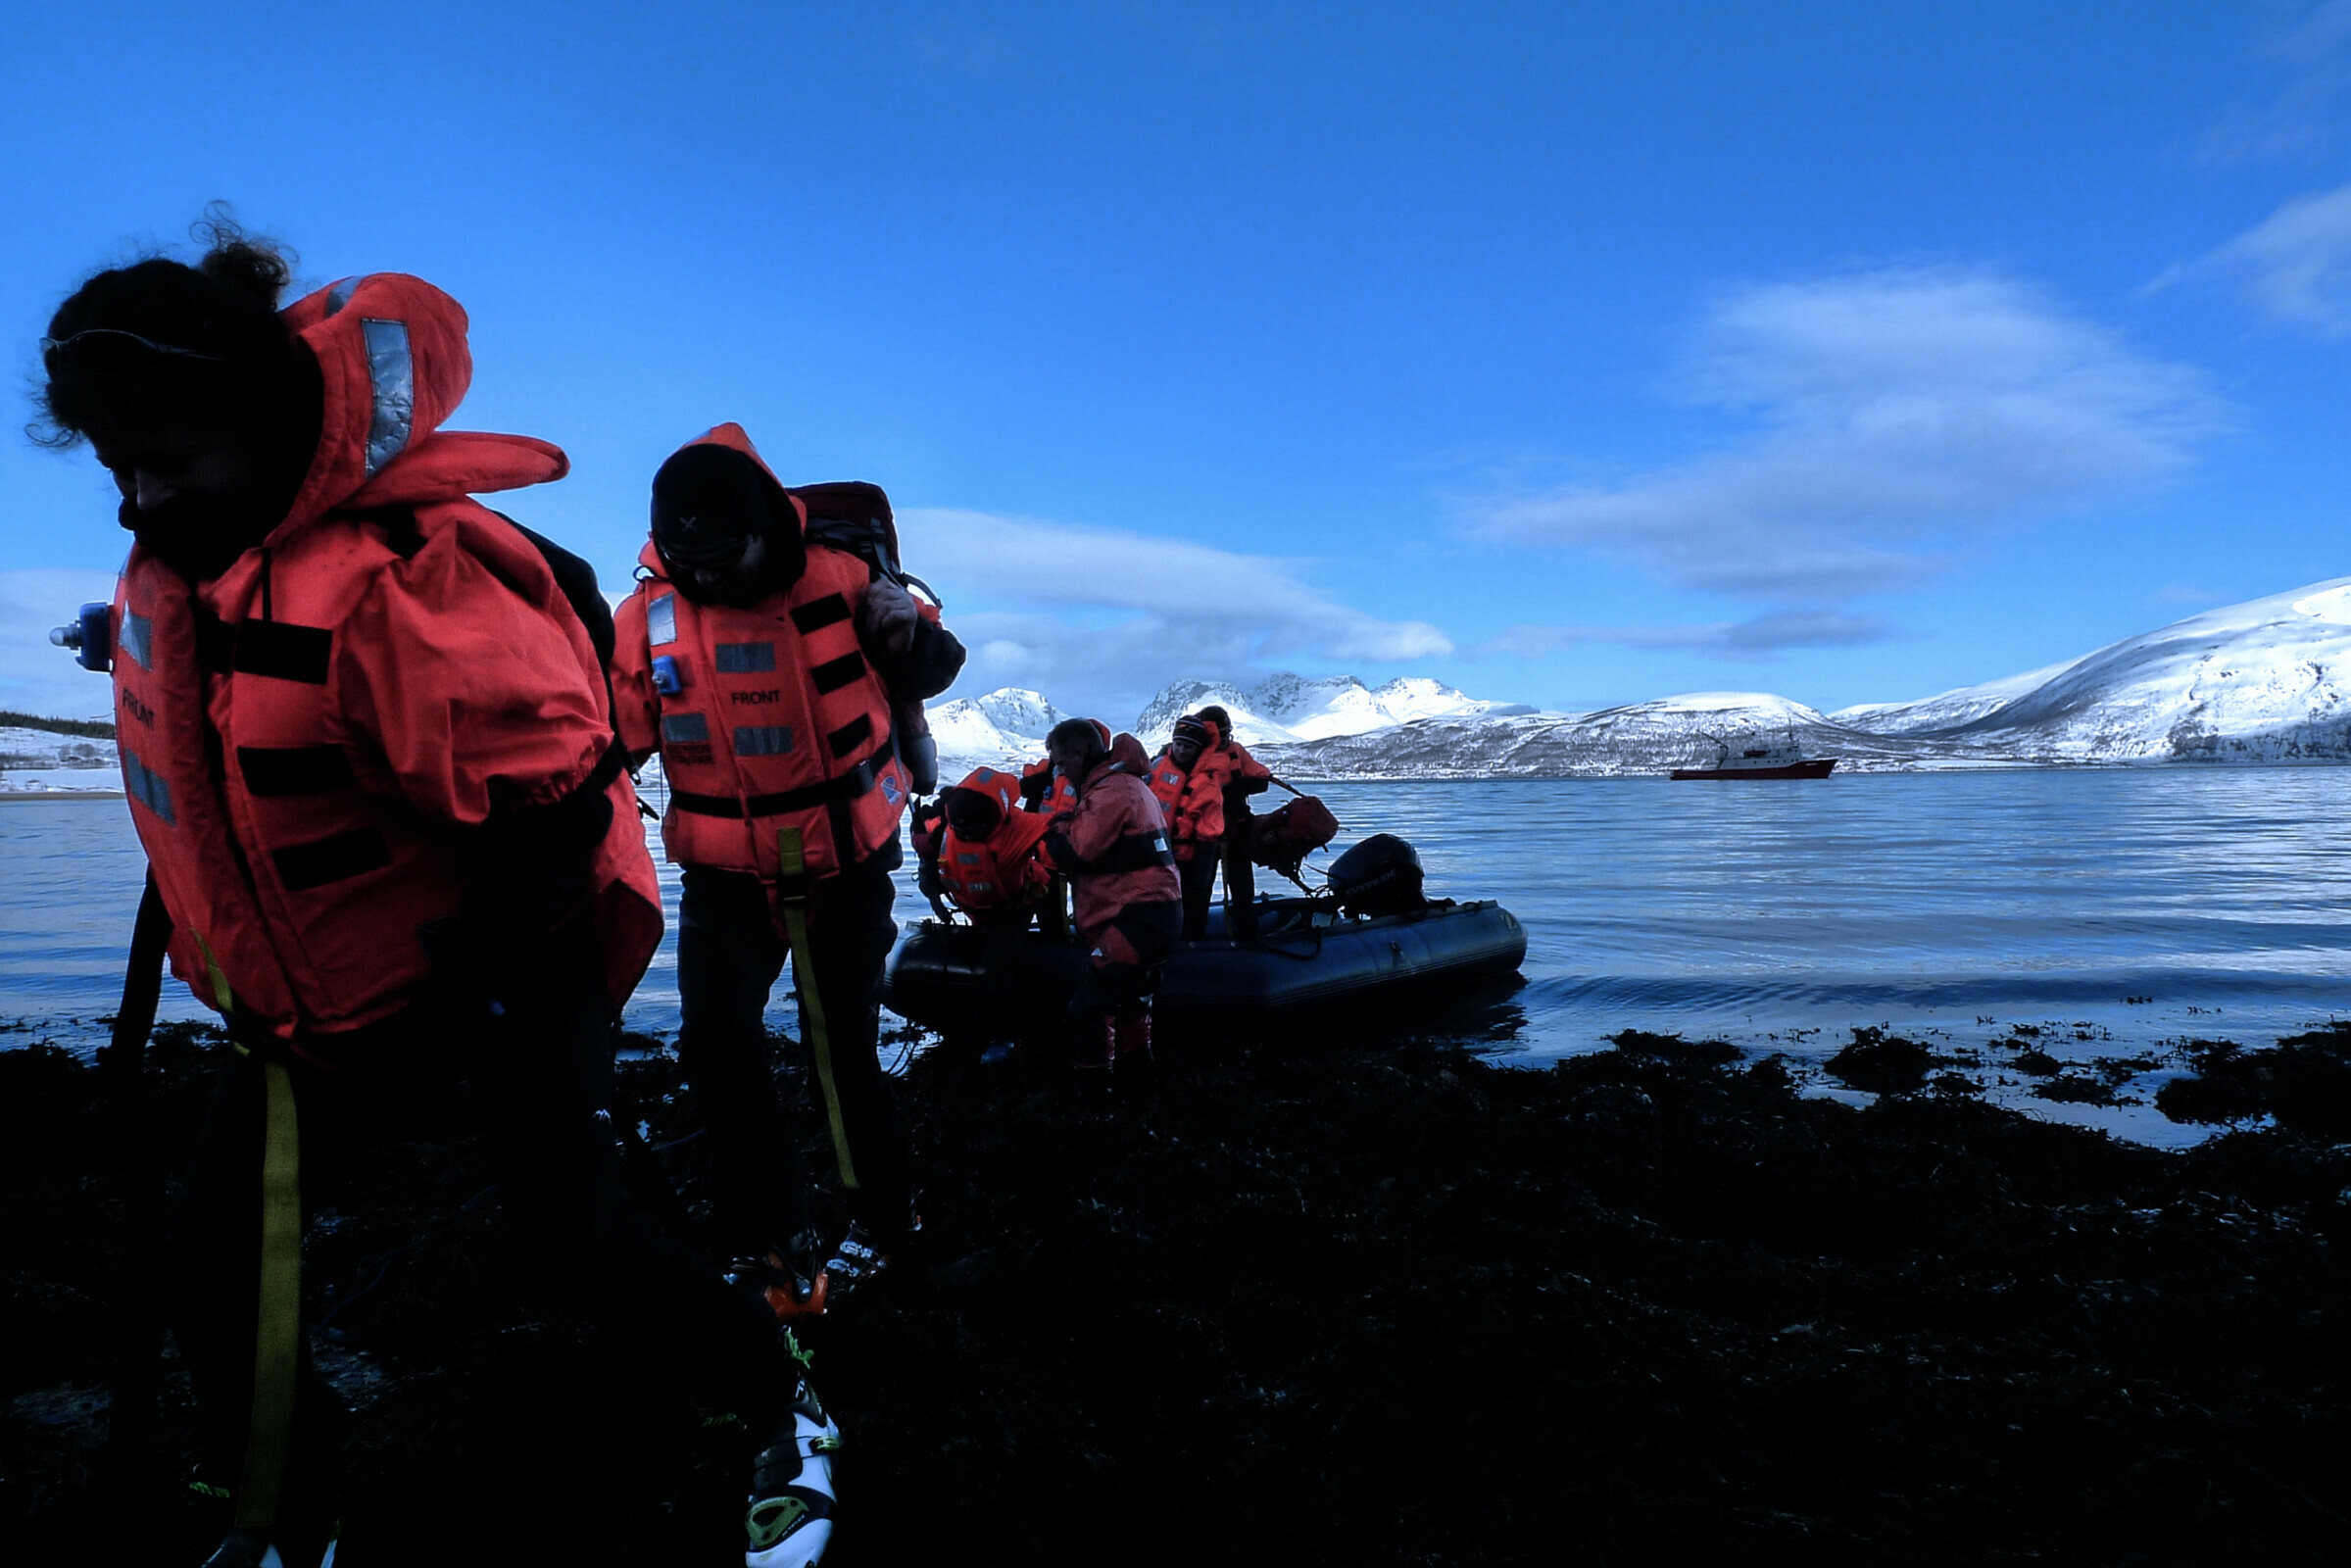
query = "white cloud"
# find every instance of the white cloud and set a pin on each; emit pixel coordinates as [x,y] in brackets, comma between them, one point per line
[2309,69]
[1106,616]
[1896,414]
[1758,638]
[34,676]
[2294,265]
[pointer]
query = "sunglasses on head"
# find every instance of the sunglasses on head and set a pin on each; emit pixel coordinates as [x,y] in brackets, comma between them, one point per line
[109,351]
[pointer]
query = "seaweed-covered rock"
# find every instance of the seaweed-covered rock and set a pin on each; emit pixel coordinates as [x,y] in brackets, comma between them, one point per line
[1878,1064]
[1377,1305]
[2305,1082]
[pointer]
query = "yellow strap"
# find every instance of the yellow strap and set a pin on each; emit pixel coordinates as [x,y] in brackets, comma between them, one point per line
[792,894]
[221,991]
[277,1332]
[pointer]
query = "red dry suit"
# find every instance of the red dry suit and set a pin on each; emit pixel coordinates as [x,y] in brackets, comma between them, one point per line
[1003,870]
[780,718]
[1113,844]
[1194,798]
[310,740]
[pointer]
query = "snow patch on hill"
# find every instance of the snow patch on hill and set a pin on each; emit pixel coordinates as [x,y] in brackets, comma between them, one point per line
[37,761]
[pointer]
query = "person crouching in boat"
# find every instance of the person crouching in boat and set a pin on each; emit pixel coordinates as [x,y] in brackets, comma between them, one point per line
[1202,779]
[1112,845]
[980,852]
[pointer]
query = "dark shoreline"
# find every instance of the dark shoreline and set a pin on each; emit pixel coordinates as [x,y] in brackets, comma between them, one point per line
[1327,1302]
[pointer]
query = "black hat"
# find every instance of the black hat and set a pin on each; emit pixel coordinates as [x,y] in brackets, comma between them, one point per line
[1193,728]
[972,813]
[708,500]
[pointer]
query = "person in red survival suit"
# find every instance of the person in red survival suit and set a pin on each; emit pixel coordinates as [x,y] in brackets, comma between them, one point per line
[1042,786]
[987,861]
[1202,779]
[1127,904]
[762,668]
[983,853]
[366,743]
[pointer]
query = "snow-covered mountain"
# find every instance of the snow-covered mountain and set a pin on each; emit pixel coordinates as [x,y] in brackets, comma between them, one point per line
[2261,681]
[1284,709]
[1006,727]
[1641,738]
[1946,709]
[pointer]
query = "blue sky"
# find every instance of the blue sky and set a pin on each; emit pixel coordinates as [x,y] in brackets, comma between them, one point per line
[1570,354]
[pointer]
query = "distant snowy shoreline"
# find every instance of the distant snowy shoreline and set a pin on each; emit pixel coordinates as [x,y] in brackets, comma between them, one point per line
[2256,683]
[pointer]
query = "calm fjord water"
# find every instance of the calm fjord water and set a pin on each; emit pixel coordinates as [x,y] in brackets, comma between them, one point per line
[1780,916]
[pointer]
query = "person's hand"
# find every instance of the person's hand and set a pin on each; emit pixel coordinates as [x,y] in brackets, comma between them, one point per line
[887,619]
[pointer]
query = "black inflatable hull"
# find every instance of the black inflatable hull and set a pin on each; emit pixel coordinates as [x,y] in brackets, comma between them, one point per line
[936,973]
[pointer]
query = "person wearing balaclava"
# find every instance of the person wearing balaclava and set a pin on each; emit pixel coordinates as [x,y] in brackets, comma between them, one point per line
[765,673]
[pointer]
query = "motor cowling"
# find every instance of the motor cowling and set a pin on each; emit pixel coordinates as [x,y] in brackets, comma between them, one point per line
[1379,876]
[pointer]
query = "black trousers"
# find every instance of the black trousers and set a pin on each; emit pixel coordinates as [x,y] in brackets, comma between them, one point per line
[1198,878]
[1148,932]
[539,1082]
[729,958]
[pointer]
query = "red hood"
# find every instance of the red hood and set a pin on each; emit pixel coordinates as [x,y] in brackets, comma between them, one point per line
[393,360]
[734,438]
[1126,756]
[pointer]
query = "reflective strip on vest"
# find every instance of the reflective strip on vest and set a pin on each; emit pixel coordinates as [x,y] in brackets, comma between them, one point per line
[763,740]
[147,787]
[742,659]
[685,728]
[138,639]
[392,374]
[660,620]
[340,295]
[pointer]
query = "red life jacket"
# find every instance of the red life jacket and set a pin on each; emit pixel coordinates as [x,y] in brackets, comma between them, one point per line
[1167,782]
[1193,798]
[308,739]
[1001,871]
[780,720]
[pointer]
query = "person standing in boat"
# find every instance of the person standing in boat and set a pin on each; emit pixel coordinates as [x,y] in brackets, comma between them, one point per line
[367,748]
[1202,779]
[765,671]
[1126,902]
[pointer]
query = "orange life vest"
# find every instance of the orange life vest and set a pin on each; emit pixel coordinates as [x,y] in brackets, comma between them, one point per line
[1194,798]
[308,739]
[779,718]
[1003,869]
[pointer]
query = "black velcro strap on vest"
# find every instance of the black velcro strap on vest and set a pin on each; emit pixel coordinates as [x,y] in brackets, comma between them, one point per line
[283,650]
[1135,851]
[302,867]
[852,735]
[835,673]
[274,770]
[215,642]
[818,614]
[848,787]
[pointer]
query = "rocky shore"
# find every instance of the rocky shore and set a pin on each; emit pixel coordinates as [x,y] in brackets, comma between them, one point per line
[1309,1301]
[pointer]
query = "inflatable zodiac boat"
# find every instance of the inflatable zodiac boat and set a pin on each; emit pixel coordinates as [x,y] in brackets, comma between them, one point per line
[1371,940]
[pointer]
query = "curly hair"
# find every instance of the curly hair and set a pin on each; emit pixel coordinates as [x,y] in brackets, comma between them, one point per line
[224,307]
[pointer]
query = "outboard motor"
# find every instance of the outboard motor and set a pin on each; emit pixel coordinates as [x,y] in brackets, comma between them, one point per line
[1379,876]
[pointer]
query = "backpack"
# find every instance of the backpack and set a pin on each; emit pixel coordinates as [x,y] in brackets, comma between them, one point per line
[854,516]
